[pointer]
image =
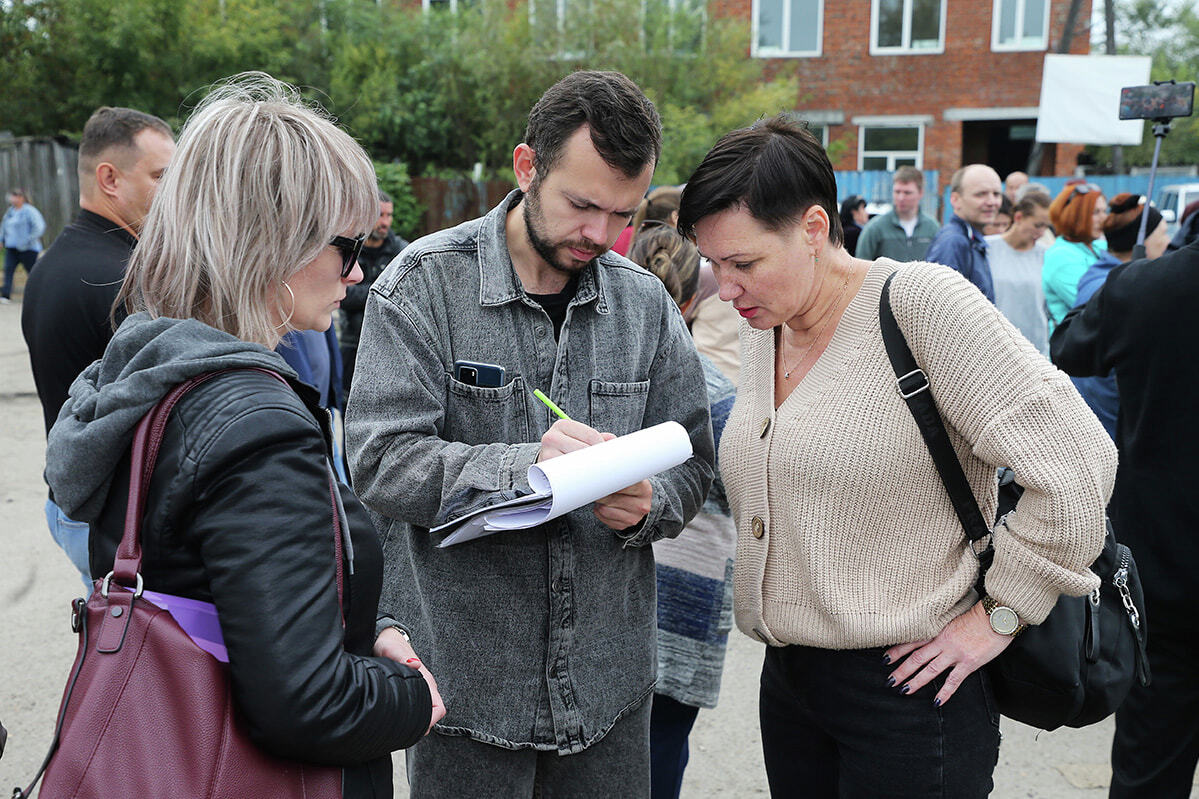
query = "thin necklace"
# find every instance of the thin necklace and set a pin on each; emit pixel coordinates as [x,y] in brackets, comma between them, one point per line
[783,348]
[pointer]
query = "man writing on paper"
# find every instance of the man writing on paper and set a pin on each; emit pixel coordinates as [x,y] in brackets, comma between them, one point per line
[545,636]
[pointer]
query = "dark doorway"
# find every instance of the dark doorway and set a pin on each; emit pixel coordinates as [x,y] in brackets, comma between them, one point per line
[1002,144]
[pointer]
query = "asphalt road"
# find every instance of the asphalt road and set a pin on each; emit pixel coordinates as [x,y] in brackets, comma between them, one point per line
[37,646]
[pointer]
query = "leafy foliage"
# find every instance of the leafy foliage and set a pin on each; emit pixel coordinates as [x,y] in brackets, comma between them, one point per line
[436,90]
[393,179]
[1169,33]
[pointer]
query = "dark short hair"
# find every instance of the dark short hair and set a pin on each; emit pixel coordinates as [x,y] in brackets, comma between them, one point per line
[850,204]
[1123,223]
[776,169]
[625,128]
[17,191]
[909,174]
[114,127]
[384,197]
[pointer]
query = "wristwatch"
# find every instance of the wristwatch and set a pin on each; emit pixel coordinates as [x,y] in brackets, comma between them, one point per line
[1003,619]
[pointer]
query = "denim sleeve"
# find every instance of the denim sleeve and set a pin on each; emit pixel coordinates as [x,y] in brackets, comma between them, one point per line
[954,252]
[36,223]
[678,392]
[400,465]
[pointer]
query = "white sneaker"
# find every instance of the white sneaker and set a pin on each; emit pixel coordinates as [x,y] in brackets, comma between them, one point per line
[5,301]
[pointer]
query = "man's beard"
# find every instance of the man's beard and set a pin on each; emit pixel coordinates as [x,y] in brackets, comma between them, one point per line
[535,221]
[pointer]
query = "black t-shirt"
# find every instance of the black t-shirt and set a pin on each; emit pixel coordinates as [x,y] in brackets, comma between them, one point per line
[68,299]
[555,304]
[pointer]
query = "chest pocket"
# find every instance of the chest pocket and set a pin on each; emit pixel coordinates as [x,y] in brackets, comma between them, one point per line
[618,408]
[485,415]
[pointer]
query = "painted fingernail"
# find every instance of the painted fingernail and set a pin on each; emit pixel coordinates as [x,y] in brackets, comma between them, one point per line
[413,661]
[890,682]
[886,659]
[937,702]
[905,689]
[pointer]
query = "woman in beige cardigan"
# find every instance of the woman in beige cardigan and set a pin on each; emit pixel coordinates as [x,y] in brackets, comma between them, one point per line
[851,564]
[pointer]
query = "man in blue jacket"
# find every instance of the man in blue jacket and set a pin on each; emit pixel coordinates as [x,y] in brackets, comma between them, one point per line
[975,192]
[21,229]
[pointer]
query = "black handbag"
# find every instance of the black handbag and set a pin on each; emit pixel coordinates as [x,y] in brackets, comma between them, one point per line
[1075,667]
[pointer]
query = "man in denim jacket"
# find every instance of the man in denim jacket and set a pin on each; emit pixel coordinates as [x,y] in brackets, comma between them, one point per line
[543,639]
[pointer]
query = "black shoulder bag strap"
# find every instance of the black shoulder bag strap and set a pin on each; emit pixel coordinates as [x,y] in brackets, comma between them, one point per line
[912,385]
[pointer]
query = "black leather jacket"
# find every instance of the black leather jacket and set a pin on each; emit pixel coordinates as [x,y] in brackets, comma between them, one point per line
[239,514]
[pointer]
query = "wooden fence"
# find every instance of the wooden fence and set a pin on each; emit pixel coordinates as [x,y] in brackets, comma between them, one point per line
[46,169]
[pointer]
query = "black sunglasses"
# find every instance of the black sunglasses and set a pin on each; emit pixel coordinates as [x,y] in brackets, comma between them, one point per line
[350,249]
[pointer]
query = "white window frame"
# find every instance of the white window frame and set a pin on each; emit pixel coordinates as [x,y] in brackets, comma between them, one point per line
[781,52]
[1020,46]
[891,122]
[905,47]
[426,6]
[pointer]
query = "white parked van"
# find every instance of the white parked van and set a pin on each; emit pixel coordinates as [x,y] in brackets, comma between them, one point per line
[1171,200]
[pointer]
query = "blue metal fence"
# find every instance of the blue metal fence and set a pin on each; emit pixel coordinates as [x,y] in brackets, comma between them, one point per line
[1110,185]
[875,186]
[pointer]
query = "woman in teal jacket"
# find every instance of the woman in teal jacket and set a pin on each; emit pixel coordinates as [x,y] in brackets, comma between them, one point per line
[1077,214]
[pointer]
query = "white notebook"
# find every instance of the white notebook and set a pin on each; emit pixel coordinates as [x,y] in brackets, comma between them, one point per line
[570,481]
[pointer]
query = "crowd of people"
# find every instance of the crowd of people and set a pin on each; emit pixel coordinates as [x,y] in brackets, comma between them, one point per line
[572,659]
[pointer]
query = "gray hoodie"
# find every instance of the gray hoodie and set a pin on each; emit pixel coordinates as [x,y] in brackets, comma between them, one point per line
[146,358]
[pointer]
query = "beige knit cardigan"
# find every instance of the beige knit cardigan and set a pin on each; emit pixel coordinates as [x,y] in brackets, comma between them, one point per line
[846,538]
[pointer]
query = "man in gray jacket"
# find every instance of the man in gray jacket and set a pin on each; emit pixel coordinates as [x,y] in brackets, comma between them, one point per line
[545,637]
[904,233]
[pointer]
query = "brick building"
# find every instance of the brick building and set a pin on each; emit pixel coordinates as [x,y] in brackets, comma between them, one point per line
[931,83]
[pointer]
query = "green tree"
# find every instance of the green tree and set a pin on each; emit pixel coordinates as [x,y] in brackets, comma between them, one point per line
[1169,33]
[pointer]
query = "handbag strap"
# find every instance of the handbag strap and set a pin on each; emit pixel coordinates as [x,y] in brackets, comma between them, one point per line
[912,385]
[147,440]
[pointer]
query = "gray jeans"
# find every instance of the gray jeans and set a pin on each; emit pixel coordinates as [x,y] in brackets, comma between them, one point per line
[456,767]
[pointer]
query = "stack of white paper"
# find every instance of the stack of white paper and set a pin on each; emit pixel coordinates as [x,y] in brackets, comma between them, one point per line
[570,481]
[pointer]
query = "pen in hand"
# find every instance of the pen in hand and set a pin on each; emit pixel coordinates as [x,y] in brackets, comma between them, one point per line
[549,403]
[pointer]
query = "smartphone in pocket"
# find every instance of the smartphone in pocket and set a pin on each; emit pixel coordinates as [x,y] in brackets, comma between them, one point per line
[472,373]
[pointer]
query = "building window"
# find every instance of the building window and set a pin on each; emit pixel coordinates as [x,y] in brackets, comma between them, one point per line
[1020,25]
[889,147]
[787,28]
[907,26]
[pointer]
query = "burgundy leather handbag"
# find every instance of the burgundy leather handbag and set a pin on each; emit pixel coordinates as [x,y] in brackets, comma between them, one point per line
[146,711]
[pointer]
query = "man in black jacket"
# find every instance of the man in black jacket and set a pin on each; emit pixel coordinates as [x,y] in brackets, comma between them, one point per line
[68,300]
[1142,324]
[380,247]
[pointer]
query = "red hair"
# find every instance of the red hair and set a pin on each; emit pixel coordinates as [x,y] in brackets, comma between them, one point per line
[1070,212]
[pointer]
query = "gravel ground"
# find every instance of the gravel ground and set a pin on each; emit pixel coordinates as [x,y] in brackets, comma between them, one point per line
[37,646]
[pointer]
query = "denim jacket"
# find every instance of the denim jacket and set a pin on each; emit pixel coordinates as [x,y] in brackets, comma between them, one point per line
[960,246]
[539,638]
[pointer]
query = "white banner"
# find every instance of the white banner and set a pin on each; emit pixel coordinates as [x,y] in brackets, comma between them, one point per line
[1080,98]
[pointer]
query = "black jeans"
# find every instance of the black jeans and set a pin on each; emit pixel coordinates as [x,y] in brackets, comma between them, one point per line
[26,258]
[832,728]
[669,725]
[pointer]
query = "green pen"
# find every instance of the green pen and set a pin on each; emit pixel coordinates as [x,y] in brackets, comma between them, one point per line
[549,403]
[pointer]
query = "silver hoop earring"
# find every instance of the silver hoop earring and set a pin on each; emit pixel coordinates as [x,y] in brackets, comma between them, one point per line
[290,313]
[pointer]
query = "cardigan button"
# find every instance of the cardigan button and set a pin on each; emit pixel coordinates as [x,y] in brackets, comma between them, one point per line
[765,428]
[759,527]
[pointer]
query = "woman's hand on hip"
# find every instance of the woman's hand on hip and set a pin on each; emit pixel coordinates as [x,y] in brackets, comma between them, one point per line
[965,645]
[393,646]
